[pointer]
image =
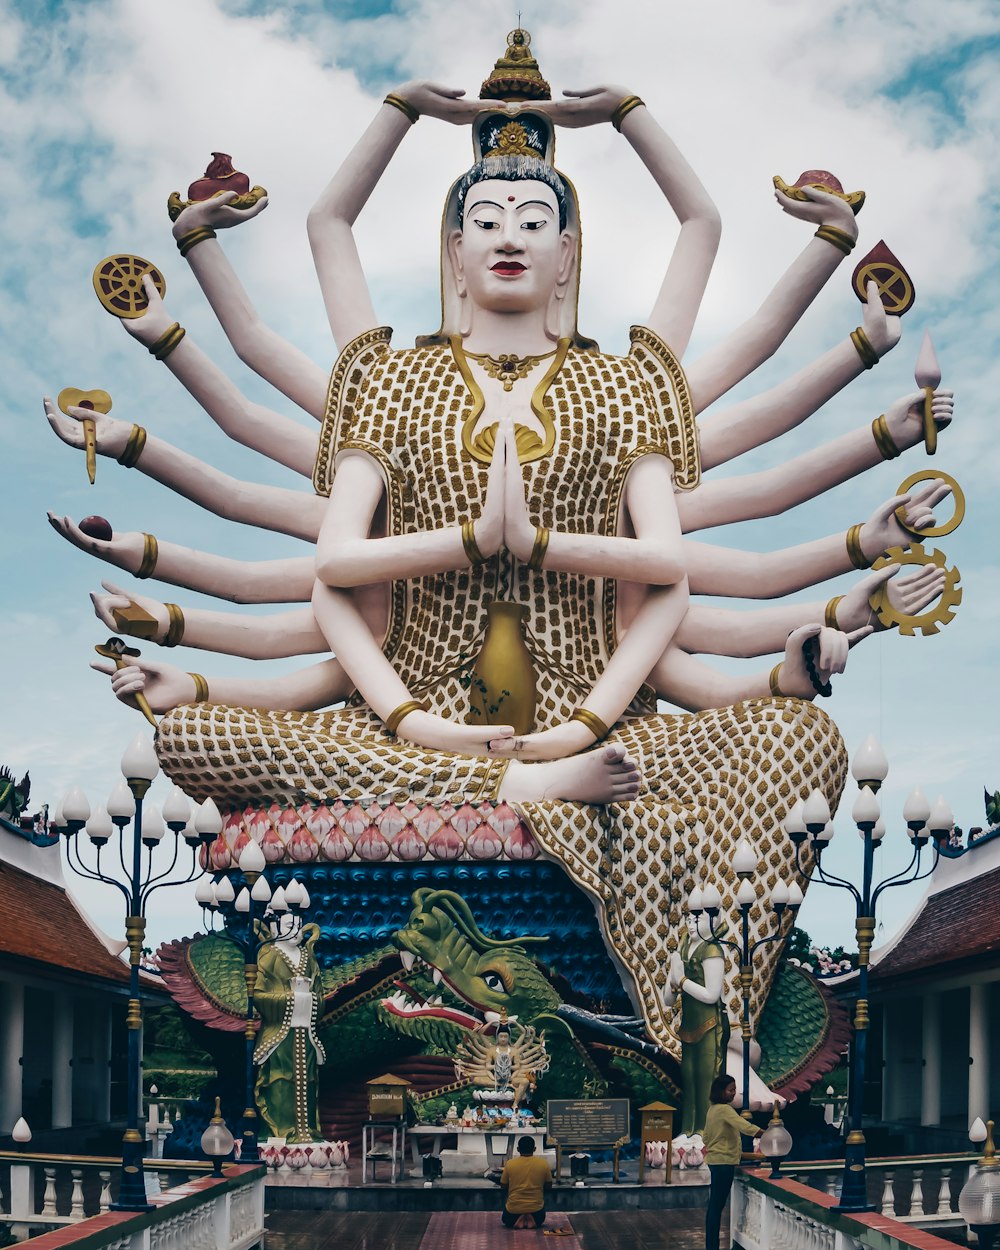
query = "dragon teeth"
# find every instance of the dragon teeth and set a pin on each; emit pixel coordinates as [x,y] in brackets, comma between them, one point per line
[407,959]
[436,975]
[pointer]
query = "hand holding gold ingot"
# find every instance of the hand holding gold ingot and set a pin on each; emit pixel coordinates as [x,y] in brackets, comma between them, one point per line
[96,401]
[928,375]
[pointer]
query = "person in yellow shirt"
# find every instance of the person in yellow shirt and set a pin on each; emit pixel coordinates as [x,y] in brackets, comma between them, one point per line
[723,1148]
[524,1181]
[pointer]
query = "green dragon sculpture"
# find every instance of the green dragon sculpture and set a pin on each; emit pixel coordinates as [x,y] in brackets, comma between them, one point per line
[407,1006]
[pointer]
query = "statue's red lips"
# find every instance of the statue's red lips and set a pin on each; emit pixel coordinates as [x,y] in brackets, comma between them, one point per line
[509,268]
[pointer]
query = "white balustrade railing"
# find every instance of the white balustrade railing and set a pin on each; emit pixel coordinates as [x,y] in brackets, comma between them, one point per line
[47,1191]
[921,1189]
[203,1213]
[769,1216]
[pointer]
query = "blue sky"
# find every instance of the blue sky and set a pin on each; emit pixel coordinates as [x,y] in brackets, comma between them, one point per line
[110,105]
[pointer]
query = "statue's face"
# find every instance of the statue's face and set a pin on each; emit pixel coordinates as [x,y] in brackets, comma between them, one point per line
[510,255]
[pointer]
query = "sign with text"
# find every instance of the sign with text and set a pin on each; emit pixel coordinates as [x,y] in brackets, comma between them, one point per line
[601,1122]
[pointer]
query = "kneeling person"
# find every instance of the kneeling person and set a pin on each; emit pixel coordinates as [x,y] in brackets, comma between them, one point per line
[524,1181]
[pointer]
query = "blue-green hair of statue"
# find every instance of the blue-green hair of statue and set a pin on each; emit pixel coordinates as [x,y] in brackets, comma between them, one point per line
[514,169]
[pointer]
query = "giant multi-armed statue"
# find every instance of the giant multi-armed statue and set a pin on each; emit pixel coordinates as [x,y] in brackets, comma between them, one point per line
[502,583]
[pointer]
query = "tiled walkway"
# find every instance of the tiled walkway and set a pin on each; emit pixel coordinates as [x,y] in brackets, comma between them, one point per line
[480,1230]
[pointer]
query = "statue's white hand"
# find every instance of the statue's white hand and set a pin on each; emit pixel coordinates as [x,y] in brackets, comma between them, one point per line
[490,523]
[216,214]
[822,208]
[164,685]
[425,729]
[909,594]
[676,971]
[111,434]
[154,321]
[569,738]
[123,550]
[104,606]
[518,531]
[589,106]
[833,646]
[905,416]
[882,530]
[881,330]
[447,104]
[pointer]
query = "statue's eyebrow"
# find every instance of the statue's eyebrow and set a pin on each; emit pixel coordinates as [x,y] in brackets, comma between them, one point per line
[494,204]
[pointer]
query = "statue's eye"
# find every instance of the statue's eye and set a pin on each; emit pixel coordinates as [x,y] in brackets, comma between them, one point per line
[494,982]
[532,225]
[486,225]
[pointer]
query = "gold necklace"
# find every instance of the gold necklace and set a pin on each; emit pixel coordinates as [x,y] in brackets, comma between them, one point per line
[508,368]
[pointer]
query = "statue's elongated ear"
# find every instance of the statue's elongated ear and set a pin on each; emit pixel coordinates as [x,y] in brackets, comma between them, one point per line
[454,244]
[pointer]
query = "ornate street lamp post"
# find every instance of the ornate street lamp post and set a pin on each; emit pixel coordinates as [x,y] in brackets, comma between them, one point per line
[811,820]
[979,1201]
[136,882]
[744,863]
[243,917]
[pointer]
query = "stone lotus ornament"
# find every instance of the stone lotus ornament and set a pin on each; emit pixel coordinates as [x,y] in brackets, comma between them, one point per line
[219,177]
[820,180]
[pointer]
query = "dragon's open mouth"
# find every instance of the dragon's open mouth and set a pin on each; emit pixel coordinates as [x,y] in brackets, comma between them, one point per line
[410,1004]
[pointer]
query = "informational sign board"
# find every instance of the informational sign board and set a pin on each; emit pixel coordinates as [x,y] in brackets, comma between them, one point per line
[602,1123]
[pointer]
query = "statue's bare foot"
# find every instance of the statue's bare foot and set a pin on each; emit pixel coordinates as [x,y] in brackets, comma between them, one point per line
[605,776]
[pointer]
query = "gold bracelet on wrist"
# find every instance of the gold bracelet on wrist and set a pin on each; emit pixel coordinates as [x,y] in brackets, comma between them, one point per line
[404,106]
[840,239]
[133,447]
[175,629]
[772,681]
[167,341]
[150,554]
[593,722]
[857,556]
[200,688]
[475,556]
[830,612]
[193,237]
[624,108]
[884,441]
[395,717]
[539,549]
[862,345]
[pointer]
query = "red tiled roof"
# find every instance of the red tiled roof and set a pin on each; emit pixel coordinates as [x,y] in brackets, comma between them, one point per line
[42,923]
[954,926]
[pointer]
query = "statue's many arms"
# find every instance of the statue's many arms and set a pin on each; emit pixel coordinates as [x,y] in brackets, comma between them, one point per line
[487,646]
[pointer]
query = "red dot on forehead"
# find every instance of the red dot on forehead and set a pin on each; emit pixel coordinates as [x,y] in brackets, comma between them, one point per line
[510,199]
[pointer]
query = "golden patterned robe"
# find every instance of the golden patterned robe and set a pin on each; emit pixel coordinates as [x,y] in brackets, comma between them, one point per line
[738,769]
